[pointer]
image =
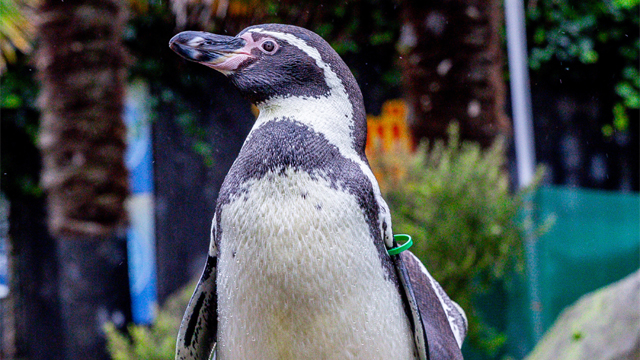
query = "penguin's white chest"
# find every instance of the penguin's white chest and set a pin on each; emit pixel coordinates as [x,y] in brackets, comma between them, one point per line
[299,276]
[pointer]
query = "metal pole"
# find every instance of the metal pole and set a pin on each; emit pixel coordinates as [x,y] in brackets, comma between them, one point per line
[520,92]
[524,144]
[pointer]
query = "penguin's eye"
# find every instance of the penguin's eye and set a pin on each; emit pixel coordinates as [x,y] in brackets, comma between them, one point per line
[268,46]
[208,42]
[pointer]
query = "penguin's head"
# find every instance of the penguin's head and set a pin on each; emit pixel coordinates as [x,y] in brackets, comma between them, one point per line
[267,61]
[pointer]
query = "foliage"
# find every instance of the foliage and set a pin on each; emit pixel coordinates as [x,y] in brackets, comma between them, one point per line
[16,31]
[456,203]
[157,342]
[348,25]
[592,36]
[20,164]
[17,101]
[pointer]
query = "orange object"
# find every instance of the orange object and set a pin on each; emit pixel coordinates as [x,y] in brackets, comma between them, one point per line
[389,142]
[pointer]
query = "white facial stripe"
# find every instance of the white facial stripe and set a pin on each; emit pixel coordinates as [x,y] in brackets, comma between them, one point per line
[333,81]
[331,116]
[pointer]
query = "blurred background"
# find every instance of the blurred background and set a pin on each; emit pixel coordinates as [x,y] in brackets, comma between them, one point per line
[504,136]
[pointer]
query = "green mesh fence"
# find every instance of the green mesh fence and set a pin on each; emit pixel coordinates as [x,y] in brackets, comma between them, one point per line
[595,241]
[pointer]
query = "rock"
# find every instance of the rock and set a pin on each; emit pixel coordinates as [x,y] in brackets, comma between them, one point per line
[603,325]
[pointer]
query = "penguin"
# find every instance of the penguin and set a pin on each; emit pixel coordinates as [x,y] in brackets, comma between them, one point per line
[298,264]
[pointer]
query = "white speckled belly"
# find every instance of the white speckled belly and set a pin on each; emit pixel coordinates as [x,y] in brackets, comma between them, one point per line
[299,277]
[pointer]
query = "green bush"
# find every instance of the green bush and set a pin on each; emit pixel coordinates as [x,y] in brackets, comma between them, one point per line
[156,342]
[455,201]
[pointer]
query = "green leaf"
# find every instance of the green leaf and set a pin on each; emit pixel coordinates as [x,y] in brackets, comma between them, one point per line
[381,38]
[632,102]
[539,35]
[589,56]
[586,52]
[324,29]
[205,150]
[345,46]
[626,4]
[626,90]
[11,101]
[631,73]
[620,118]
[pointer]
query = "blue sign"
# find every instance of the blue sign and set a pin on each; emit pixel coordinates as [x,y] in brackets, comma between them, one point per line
[141,233]
[4,263]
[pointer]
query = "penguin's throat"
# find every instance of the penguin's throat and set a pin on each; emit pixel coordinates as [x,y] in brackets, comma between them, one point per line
[331,116]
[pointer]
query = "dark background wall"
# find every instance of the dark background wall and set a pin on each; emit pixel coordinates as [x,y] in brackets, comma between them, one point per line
[187,182]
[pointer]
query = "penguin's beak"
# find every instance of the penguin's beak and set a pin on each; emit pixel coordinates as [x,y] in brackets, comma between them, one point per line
[220,52]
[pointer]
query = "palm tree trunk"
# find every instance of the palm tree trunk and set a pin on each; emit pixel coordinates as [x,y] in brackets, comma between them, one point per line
[452,66]
[82,69]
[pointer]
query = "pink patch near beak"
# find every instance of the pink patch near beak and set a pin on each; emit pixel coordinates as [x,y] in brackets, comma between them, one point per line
[230,64]
[236,58]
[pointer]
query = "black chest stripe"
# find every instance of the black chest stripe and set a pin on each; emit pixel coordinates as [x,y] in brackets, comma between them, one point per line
[278,145]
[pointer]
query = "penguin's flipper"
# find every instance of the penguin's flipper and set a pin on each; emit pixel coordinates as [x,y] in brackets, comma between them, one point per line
[199,327]
[444,321]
